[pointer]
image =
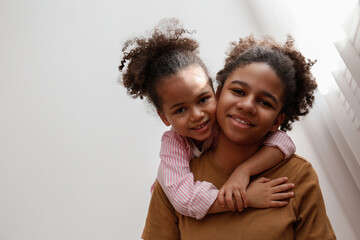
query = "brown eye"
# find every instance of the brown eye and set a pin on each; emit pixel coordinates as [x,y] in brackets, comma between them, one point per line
[265,103]
[239,91]
[204,99]
[180,110]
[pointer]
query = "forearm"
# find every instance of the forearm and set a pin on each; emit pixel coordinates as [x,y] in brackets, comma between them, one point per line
[262,160]
[277,146]
[189,198]
[282,141]
[217,208]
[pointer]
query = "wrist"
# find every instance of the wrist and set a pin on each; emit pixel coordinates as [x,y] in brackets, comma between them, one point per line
[244,169]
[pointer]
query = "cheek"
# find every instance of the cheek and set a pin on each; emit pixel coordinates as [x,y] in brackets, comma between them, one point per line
[219,105]
[219,112]
[178,120]
[224,101]
[212,108]
[174,120]
[268,119]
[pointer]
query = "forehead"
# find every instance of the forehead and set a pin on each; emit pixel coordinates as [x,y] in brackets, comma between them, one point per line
[184,86]
[258,77]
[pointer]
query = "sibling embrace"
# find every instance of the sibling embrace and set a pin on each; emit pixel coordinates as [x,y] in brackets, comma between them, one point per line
[226,170]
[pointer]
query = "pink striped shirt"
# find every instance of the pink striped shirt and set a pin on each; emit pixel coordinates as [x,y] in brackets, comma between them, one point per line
[195,198]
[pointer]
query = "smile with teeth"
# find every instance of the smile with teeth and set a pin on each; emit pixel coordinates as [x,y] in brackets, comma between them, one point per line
[237,119]
[200,126]
[241,121]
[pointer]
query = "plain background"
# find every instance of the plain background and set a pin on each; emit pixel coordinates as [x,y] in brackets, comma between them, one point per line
[77,154]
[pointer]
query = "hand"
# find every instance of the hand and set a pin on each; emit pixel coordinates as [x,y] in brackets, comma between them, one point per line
[266,193]
[235,186]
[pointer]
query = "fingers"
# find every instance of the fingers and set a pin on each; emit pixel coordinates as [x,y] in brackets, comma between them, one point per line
[282,196]
[244,197]
[262,180]
[278,203]
[267,180]
[221,198]
[238,199]
[282,187]
[278,181]
[229,200]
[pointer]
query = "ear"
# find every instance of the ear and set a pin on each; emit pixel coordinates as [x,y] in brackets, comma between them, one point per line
[279,119]
[163,118]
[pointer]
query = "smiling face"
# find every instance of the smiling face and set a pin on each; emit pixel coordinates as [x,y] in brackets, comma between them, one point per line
[188,103]
[249,104]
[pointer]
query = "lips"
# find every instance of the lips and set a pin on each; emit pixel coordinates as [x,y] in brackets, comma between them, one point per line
[200,126]
[241,120]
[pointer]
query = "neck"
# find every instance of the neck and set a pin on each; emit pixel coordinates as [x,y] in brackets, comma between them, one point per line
[229,155]
[198,144]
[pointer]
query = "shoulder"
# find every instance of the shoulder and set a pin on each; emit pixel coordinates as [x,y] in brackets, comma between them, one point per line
[296,168]
[305,173]
[171,134]
[173,144]
[173,138]
[305,179]
[300,164]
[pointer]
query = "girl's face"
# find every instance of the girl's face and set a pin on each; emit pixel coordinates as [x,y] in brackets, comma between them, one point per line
[249,104]
[188,103]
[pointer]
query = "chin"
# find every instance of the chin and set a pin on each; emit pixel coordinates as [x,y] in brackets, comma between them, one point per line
[239,138]
[203,138]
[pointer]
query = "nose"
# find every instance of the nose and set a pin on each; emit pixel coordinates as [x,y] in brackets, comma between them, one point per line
[196,114]
[247,104]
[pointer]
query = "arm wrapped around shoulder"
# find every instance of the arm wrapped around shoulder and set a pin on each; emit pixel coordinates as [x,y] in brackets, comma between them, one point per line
[282,141]
[188,197]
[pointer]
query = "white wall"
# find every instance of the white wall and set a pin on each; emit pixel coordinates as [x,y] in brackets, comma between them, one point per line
[77,155]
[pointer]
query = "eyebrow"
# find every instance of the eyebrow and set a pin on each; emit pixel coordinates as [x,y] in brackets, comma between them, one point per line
[176,105]
[269,95]
[181,103]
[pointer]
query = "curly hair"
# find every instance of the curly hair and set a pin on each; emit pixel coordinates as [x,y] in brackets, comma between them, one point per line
[289,64]
[149,60]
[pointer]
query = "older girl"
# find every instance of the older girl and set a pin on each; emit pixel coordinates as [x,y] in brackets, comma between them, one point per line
[266,85]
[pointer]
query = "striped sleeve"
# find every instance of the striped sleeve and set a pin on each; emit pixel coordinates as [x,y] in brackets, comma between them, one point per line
[282,141]
[189,198]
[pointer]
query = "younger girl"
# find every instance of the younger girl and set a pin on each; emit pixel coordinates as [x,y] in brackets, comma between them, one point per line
[167,70]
